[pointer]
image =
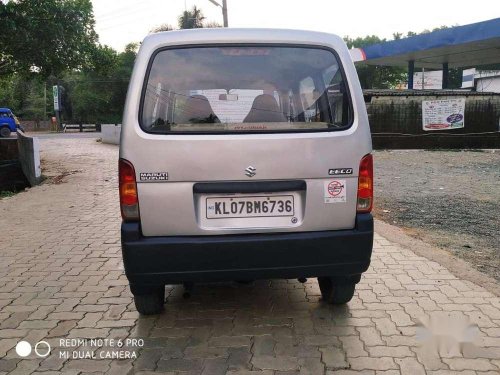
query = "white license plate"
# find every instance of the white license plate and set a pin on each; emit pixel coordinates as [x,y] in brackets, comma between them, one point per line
[250,206]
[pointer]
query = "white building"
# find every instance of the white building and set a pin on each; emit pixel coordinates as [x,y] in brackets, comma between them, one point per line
[482,80]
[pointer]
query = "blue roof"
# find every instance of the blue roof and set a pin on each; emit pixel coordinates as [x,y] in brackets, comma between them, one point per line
[455,40]
[5,109]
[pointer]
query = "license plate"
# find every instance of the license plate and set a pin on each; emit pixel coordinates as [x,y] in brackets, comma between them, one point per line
[250,206]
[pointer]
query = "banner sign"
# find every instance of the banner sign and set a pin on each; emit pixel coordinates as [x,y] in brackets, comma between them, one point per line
[428,80]
[55,91]
[443,114]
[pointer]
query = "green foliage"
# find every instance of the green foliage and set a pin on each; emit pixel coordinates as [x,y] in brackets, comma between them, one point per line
[53,42]
[99,96]
[362,42]
[7,92]
[376,77]
[90,95]
[24,96]
[211,25]
[162,27]
[35,105]
[7,194]
[46,37]
[191,19]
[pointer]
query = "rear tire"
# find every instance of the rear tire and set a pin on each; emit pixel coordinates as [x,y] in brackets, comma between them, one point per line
[150,303]
[336,292]
[4,132]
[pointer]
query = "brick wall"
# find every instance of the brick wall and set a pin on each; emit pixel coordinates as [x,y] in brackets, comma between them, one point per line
[32,125]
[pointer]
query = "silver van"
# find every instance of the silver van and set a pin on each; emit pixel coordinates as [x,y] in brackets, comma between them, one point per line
[245,154]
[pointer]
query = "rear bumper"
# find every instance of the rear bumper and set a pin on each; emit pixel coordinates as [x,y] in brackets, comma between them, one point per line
[178,259]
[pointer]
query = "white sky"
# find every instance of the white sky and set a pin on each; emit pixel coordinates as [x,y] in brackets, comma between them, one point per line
[121,22]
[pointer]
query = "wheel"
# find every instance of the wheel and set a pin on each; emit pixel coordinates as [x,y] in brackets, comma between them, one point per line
[4,132]
[335,292]
[150,303]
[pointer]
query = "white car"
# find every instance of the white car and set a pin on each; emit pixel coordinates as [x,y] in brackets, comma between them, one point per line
[245,154]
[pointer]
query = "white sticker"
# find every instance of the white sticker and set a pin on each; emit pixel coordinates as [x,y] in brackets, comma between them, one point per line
[335,191]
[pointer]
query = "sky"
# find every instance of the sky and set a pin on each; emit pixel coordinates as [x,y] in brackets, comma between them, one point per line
[121,22]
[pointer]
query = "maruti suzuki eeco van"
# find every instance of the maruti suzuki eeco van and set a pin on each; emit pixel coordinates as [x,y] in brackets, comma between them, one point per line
[245,154]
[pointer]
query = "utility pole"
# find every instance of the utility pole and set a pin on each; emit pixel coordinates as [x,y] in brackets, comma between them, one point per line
[224,10]
[224,13]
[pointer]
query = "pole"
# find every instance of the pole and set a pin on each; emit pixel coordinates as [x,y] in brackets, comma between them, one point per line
[224,12]
[58,117]
[445,76]
[411,69]
[45,100]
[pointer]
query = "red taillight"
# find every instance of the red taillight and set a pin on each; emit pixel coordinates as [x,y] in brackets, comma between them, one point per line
[129,202]
[365,184]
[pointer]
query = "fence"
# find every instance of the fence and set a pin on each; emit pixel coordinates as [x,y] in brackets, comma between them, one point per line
[81,127]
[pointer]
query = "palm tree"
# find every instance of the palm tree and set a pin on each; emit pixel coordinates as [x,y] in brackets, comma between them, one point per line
[191,19]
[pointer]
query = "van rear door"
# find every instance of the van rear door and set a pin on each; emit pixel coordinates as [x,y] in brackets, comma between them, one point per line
[246,138]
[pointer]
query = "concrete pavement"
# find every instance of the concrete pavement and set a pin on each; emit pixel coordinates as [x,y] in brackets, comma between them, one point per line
[61,278]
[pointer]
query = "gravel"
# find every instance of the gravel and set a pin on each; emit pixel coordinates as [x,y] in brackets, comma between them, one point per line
[450,199]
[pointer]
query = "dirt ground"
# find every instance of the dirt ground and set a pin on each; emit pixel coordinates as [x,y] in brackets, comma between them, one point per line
[450,199]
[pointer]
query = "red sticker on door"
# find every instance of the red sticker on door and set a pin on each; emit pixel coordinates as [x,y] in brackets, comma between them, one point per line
[335,191]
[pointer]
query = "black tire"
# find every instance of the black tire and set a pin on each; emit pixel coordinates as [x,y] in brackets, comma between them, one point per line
[334,292]
[150,303]
[4,132]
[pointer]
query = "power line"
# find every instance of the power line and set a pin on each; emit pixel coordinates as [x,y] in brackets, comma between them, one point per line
[120,12]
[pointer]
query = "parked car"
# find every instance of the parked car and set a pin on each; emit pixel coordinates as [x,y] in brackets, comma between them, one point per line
[8,122]
[245,154]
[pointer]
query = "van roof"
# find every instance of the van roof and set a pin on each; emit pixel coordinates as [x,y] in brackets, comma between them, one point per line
[5,109]
[240,35]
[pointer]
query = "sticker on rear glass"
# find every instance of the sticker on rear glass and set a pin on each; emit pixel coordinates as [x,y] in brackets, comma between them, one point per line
[153,176]
[335,191]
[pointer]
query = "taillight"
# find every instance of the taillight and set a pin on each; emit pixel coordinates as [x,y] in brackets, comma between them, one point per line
[365,184]
[129,203]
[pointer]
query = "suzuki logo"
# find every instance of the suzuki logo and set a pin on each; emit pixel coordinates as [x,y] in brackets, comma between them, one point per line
[251,171]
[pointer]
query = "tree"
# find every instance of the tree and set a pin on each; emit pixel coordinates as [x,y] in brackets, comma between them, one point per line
[191,19]
[46,37]
[97,96]
[35,107]
[211,25]
[162,27]
[373,76]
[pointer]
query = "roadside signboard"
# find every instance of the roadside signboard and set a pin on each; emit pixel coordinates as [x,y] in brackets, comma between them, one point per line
[443,114]
[428,80]
[468,78]
[55,91]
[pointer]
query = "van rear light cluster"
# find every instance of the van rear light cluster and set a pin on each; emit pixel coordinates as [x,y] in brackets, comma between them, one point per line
[365,185]
[129,203]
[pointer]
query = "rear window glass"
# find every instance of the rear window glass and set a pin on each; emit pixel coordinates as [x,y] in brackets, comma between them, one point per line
[245,89]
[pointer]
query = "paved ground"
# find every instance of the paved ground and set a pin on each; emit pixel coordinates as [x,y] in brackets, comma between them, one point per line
[61,277]
[447,198]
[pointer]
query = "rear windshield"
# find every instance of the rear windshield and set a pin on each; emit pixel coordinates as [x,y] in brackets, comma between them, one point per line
[245,89]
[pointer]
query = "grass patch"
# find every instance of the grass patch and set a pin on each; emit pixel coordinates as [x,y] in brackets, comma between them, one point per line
[7,193]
